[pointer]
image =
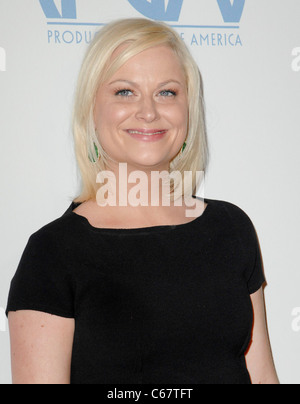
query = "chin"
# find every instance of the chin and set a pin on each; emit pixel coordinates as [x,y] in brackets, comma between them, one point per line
[147,163]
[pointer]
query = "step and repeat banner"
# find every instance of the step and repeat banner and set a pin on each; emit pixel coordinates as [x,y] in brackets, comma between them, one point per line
[249,54]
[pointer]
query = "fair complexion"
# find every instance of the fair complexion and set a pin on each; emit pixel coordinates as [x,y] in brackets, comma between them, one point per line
[148,94]
[41,347]
[137,97]
[259,357]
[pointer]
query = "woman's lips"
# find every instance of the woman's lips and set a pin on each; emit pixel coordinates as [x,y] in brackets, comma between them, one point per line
[147,135]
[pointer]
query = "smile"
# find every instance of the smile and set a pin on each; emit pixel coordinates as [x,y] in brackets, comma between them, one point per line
[147,132]
[147,135]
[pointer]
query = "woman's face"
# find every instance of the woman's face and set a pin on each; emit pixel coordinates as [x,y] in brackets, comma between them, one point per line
[141,113]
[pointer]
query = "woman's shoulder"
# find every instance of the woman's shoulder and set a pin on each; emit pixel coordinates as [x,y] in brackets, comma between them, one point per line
[67,228]
[44,278]
[232,216]
[58,231]
[230,209]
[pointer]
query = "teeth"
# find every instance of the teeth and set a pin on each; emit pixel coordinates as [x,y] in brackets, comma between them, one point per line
[134,132]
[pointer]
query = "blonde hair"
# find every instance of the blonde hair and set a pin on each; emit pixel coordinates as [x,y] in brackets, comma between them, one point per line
[98,66]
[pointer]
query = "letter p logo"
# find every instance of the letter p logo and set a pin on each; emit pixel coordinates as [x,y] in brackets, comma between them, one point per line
[68,9]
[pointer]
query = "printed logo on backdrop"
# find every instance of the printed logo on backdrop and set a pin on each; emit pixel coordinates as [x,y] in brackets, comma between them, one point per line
[159,10]
[169,10]
[68,9]
[66,27]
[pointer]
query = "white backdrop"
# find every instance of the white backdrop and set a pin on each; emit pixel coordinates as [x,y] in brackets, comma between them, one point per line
[250,61]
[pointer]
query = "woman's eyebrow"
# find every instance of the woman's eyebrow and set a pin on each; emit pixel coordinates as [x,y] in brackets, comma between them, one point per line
[123,81]
[131,83]
[170,81]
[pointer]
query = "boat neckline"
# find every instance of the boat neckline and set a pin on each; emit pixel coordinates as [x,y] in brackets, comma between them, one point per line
[148,229]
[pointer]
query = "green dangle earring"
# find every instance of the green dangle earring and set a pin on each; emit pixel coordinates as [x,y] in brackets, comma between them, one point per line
[184,146]
[91,156]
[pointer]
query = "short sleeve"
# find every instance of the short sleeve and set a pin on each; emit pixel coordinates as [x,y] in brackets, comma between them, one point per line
[250,252]
[255,275]
[42,281]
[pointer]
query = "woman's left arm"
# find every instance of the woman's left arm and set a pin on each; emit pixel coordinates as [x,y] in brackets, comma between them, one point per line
[259,357]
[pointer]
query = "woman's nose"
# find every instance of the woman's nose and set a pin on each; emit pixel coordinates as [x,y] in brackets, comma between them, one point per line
[147,110]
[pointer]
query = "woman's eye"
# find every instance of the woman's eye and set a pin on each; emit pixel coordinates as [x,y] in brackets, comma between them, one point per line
[128,93]
[168,93]
[124,93]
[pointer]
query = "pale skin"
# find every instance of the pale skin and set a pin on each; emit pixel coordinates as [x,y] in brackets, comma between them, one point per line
[41,343]
[41,347]
[142,94]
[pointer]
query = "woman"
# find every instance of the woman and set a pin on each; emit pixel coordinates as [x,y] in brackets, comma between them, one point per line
[128,293]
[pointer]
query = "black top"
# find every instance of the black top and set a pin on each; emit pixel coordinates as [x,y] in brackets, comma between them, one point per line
[154,305]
